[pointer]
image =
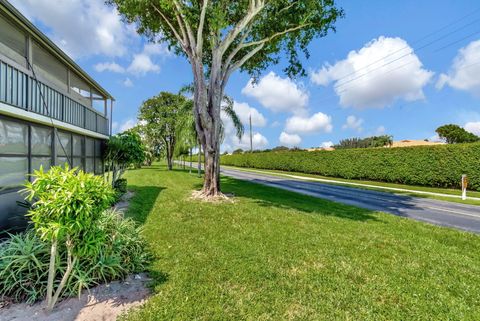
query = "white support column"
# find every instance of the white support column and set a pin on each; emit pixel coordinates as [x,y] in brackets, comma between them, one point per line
[111,116]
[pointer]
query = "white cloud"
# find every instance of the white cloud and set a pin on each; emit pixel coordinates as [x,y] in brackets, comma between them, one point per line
[290,139]
[156,49]
[244,111]
[327,144]
[473,127]
[258,141]
[109,66]
[142,64]
[436,138]
[128,124]
[381,130]
[128,83]
[81,27]
[317,123]
[353,123]
[275,124]
[465,70]
[277,94]
[231,140]
[368,78]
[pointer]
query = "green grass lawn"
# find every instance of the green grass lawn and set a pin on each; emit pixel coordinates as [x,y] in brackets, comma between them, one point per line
[278,255]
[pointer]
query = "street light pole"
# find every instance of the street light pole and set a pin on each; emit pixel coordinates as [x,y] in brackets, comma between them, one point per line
[251,137]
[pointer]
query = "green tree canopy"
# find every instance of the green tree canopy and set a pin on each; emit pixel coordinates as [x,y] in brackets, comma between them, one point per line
[368,142]
[123,150]
[164,117]
[454,134]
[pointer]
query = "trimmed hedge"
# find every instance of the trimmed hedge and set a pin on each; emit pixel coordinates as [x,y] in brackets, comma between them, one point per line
[435,166]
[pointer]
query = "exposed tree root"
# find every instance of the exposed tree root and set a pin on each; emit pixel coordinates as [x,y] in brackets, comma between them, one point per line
[217,198]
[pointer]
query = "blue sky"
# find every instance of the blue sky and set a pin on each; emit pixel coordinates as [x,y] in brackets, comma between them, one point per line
[378,73]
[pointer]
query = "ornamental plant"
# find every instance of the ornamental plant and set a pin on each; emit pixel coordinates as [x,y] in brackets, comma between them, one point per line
[123,150]
[67,204]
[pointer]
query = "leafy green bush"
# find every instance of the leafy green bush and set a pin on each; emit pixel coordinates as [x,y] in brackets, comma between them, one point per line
[88,243]
[24,260]
[120,186]
[437,166]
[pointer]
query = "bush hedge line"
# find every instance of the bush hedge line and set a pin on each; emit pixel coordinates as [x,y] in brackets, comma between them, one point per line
[435,166]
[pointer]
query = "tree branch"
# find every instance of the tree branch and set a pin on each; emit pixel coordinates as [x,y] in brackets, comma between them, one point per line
[241,62]
[278,34]
[181,17]
[255,7]
[200,28]
[258,43]
[181,40]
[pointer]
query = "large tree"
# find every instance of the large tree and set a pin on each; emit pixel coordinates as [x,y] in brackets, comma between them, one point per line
[164,116]
[219,37]
[454,134]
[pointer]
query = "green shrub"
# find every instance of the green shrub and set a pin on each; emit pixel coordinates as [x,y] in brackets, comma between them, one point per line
[68,214]
[437,166]
[120,186]
[24,260]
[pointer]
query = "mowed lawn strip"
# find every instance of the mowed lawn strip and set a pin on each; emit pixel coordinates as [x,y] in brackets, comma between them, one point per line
[278,255]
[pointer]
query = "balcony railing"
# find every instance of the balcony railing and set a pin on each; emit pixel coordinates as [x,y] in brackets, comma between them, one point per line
[20,89]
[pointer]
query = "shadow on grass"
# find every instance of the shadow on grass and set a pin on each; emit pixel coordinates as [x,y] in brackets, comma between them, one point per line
[271,197]
[142,202]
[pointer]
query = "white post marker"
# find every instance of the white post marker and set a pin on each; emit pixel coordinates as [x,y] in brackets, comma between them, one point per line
[464,187]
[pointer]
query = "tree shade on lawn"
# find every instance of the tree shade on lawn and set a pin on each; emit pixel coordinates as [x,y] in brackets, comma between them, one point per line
[277,255]
[220,37]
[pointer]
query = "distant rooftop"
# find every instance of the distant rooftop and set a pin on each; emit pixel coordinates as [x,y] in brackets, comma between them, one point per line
[411,143]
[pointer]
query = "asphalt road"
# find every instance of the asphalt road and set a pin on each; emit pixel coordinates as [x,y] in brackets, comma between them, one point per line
[460,216]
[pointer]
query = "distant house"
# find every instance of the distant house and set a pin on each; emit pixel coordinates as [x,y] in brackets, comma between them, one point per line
[51,111]
[411,143]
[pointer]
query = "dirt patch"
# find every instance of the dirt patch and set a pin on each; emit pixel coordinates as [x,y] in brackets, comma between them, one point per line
[221,198]
[104,302]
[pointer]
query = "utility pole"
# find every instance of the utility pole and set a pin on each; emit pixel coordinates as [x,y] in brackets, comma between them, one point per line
[251,137]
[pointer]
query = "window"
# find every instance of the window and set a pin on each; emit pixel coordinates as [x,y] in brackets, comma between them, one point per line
[98,157]
[41,147]
[13,153]
[41,141]
[50,67]
[78,153]
[64,144]
[12,42]
[13,138]
[13,171]
[89,155]
[80,89]
[26,147]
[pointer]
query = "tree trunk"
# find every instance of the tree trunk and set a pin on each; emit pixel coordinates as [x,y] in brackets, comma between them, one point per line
[199,165]
[207,106]
[190,171]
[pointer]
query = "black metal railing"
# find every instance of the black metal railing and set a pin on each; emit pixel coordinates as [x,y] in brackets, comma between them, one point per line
[20,89]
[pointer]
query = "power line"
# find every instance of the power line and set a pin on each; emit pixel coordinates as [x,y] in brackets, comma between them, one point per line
[420,40]
[406,55]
